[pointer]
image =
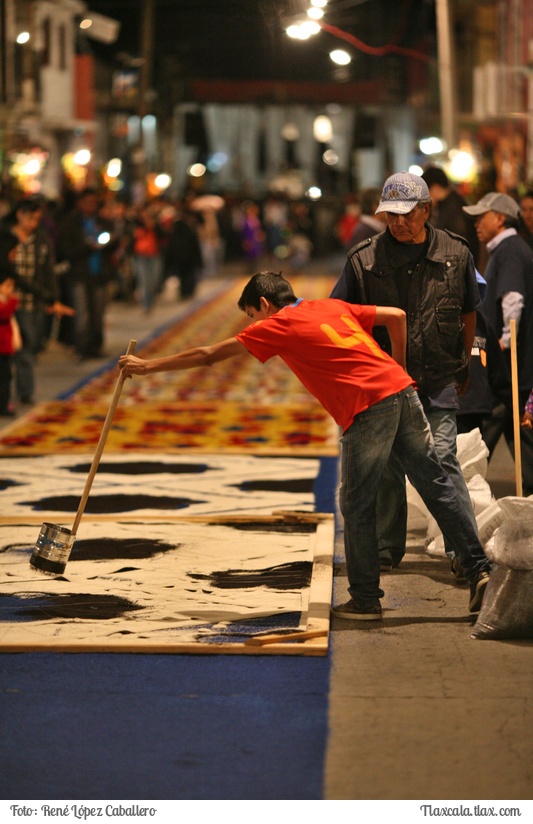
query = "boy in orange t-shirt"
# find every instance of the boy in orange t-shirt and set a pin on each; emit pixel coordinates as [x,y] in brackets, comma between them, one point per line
[329,346]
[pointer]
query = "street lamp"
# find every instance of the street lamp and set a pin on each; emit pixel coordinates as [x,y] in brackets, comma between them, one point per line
[340,57]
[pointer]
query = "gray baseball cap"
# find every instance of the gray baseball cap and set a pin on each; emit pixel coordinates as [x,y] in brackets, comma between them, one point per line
[494,202]
[401,192]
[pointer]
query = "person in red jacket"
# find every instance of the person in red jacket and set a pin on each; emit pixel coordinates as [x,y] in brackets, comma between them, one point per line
[9,340]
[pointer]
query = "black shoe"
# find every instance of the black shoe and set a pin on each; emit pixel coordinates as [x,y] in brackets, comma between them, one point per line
[351,611]
[7,413]
[477,591]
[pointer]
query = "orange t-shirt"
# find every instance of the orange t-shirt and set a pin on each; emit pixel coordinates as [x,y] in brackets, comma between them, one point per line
[145,242]
[329,347]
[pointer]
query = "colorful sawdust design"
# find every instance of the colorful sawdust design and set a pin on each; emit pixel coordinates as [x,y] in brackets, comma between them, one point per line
[67,427]
[238,406]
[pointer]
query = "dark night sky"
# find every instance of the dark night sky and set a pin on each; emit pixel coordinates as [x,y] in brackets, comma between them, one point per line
[245,39]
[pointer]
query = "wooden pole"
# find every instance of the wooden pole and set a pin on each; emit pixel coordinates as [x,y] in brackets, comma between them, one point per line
[516,412]
[101,443]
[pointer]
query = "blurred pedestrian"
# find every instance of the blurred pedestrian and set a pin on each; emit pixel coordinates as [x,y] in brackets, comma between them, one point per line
[301,231]
[147,256]
[370,223]
[10,340]
[275,224]
[211,241]
[525,228]
[252,235]
[348,222]
[122,228]
[37,289]
[183,254]
[447,207]
[83,242]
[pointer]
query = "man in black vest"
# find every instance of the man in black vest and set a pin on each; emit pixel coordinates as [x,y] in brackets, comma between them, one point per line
[430,274]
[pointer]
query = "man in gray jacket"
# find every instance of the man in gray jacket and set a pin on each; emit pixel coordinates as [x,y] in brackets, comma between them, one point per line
[430,274]
[509,296]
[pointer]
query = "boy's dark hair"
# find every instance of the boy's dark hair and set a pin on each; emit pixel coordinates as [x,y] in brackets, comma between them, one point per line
[269,285]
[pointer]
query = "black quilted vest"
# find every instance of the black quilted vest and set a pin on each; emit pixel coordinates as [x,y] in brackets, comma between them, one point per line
[432,296]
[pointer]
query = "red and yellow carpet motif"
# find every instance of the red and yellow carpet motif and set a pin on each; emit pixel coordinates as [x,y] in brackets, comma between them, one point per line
[239,405]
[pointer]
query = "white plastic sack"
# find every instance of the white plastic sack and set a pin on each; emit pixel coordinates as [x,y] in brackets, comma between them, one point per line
[507,608]
[487,522]
[481,497]
[511,544]
[472,454]
[417,512]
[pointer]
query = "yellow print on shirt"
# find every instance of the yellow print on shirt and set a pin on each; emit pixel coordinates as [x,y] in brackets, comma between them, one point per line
[352,340]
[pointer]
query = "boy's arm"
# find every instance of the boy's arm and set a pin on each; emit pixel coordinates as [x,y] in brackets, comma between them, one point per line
[200,356]
[394,320]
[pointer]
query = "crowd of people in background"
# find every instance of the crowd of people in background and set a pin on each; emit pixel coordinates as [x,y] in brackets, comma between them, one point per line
[62,264]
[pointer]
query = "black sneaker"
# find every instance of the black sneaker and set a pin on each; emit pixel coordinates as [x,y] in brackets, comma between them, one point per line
[351,611]
[477,591]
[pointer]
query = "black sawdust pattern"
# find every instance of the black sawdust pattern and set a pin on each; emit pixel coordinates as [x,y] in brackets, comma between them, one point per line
[143,468]
[287,485]
[104,504]
[282,526]
[295,575]
[106,549]
[49,607]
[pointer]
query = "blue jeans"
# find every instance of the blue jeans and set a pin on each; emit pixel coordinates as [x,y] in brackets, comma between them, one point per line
[31,326]
[148,271]
[392,503]
[396,426]
[90,303]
